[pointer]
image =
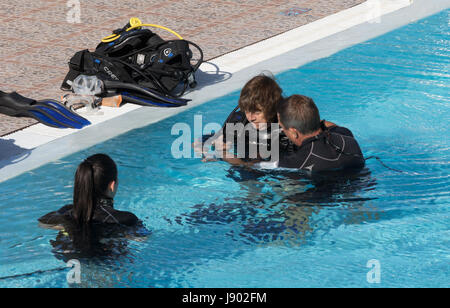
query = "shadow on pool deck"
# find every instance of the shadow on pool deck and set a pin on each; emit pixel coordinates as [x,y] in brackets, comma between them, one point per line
[11,153]
[210,77]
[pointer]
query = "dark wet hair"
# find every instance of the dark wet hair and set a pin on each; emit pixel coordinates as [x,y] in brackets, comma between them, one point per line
[91,183]
[299,112]
[261,93]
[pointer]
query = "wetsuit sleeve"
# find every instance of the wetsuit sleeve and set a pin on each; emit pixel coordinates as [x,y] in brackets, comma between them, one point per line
[341,131]
[233,118]
[56,218]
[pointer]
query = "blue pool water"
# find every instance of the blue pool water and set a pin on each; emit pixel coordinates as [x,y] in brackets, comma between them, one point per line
[215,226]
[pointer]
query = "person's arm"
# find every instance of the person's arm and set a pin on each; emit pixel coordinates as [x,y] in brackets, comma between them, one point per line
[217,141]
[54,220]
[338,129]
[235,161]
[239,162]
[55,217]
[329,124]
[204,146]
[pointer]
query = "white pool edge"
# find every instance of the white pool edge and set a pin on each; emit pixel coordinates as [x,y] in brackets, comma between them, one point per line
[40,144]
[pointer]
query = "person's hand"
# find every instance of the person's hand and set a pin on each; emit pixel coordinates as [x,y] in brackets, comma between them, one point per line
[220,146]
[233,160]
[203,148]
[198,148]
[329,124]
[221,150]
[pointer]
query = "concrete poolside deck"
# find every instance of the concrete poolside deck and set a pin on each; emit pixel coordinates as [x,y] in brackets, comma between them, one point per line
[37,39]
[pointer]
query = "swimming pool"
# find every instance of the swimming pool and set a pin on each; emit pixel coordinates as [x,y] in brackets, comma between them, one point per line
[216,226]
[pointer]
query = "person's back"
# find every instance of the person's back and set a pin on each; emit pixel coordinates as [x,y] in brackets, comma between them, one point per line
[334,148]
[317,145]
[93,200]
[90,226]
[104,213]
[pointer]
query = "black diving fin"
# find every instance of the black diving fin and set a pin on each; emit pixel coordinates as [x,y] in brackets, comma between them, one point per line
[48,112]
[136,94]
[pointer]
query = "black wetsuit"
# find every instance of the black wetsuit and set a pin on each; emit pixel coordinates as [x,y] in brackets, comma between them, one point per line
[263,138]
[106,236]
[104,214]
[334,148]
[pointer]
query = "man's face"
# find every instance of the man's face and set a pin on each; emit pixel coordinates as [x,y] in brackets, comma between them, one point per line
[257,119]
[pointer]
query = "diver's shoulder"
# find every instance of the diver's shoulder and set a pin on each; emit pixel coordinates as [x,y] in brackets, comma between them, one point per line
[58,217]
[341,130]
[128,218]
[237,117]
[109,215]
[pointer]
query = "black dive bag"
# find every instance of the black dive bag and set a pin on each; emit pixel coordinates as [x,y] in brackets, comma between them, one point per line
[140,57]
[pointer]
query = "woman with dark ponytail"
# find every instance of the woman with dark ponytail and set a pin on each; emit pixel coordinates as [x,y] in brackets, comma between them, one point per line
[93,197]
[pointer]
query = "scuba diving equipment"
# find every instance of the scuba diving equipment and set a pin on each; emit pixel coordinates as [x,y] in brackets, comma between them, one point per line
[112,101]
[142,96]
[48,112]
[85,89]
[129,92]
[90,102]
[86,85]
[139,57]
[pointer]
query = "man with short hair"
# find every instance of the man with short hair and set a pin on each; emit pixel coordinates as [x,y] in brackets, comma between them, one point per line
[318,145]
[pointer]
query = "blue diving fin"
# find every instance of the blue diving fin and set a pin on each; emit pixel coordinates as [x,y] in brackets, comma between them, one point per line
[48,112]
[142,96]
[144,101]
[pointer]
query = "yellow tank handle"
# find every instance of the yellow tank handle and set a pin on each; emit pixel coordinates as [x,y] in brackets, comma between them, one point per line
[136,23]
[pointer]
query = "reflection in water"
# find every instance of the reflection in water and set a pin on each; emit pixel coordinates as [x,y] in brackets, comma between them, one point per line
[286,207]
[95,241]
[275,208]
[94,245]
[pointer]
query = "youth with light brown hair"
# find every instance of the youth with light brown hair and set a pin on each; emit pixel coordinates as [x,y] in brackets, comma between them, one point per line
[259,99]
[256,110]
